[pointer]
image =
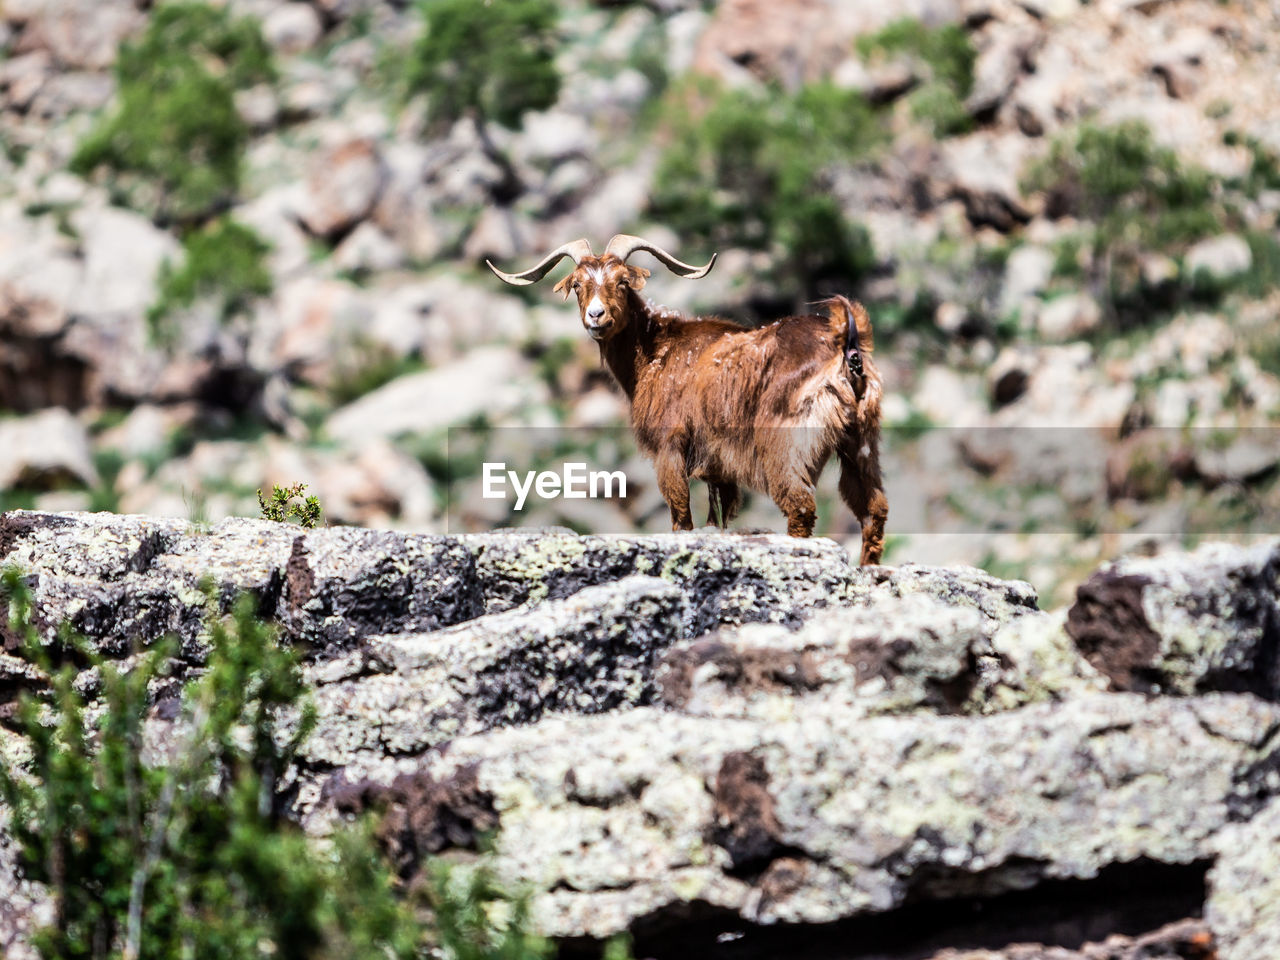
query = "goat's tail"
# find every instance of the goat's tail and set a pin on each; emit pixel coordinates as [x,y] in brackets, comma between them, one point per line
[849,320]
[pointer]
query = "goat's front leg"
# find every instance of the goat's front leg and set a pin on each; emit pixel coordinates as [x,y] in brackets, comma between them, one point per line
[799,507]
[673,482]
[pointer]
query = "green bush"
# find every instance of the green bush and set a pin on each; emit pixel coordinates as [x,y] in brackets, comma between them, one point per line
[944,56]
[281,507]
[188,854]
[175,141]
[192,856]
[1136,196]
[748,169]
[491,61]
[223,261]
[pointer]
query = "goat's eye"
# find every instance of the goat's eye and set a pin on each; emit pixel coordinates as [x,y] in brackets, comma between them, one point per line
[576,286]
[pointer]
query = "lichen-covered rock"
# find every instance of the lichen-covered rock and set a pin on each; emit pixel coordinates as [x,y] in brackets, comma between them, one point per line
[24,906]
[344,583]
[728,579]
[400,694]
[124,580]
[997,601]
[1243,909]
[1185,623]
[1032,659]
[900,654]
[828,813]
[1182,940]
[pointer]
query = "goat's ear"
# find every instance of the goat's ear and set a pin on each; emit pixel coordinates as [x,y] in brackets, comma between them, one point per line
[636,276]
[564,286]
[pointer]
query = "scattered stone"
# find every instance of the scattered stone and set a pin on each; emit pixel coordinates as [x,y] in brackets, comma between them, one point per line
[45,450]
[1248,457]
[983,170]
[368,250]
[1026,274]
[123,252]
[343,188]
[1069,317]
[999,66]
[292,28]
[491,380]
[1219,258]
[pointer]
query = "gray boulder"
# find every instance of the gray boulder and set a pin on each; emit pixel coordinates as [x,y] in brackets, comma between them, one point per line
[342,584]
[729,579]
[895,656]
[403,693]
[1243,909]
[826,814]
[1185,623]
[45,450]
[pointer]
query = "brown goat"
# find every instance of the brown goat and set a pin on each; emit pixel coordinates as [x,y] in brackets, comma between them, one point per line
[763,408]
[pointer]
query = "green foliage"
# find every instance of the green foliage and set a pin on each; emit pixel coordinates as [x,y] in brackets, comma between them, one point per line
[1138,196]
[223,261]
[465,906]
[190,857]
[282,506]
[1118,177]
[368,365]
[944,56]
[176,141]
[185,852]
[492,61]
[1264,165]
[752,170]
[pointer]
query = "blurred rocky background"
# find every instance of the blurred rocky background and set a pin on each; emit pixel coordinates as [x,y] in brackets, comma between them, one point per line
[242,244]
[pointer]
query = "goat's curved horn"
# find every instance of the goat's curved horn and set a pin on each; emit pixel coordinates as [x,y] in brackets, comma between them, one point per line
[576,249]
[624,245]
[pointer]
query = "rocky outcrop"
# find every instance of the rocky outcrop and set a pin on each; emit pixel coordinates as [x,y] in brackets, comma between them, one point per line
[1208,620]
[690,736]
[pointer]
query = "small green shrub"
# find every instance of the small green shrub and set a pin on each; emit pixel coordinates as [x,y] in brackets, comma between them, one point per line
[944,56]
[282,507]
[751,170]
[224,261]
[491,61]
[175,141]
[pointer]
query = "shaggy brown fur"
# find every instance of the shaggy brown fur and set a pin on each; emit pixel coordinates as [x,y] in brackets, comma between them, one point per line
[764,409]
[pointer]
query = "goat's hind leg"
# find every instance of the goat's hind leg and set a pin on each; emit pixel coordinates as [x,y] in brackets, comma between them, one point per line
[673,483]
[798,505]
[862,490]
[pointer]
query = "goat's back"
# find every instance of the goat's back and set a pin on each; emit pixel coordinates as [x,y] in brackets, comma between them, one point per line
[743,404]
